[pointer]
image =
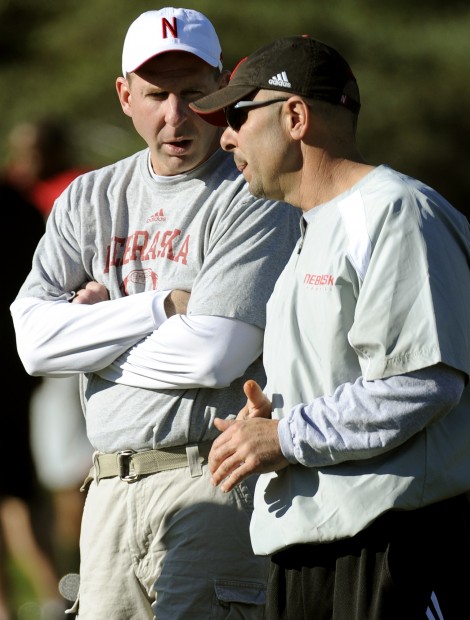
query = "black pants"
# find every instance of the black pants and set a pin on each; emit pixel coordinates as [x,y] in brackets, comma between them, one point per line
[386,572]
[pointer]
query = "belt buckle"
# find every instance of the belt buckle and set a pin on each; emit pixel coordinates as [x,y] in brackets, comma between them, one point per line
[124,460]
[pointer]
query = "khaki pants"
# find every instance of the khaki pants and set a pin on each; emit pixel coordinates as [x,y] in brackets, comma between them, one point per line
[171,547]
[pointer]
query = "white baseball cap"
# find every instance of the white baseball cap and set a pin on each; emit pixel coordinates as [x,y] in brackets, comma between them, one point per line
[170,30]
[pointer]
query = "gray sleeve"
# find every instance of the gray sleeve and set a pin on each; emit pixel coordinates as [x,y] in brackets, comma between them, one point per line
[366,418]
[244,260]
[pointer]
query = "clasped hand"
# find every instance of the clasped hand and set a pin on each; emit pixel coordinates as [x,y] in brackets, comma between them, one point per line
[248,444]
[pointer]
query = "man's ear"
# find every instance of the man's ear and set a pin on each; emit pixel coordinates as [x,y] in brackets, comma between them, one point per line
[299,117]
[124,94]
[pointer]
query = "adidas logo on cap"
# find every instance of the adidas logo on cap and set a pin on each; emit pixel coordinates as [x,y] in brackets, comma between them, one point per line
[280,79]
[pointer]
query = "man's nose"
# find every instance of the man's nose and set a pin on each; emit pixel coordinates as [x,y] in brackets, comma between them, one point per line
[228,139]
[176,110]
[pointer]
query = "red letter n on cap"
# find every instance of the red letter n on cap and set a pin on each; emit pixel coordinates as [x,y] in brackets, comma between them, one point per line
[166,26]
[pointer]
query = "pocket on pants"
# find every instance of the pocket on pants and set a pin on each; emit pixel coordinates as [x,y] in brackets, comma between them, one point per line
[239,600]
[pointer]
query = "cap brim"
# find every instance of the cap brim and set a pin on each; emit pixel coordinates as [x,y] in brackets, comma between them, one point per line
[213,118]
[211,107]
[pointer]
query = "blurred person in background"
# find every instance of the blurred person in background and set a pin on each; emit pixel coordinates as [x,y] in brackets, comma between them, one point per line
[41,163]
[21,546]
[42,160]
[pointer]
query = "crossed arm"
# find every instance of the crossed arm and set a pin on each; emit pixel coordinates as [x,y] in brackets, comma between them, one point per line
[143,340]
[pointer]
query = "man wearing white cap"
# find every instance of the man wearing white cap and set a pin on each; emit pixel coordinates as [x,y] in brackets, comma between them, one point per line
[185,259]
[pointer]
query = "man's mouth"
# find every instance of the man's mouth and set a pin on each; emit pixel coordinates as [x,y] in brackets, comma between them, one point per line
[179,144]
[240,165]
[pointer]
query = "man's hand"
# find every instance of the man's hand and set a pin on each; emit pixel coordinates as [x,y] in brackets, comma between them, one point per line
[91,293]
[176,302]
[257,405]
[249,444]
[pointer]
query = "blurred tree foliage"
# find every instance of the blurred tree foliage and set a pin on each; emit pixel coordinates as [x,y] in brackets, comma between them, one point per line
[411,59]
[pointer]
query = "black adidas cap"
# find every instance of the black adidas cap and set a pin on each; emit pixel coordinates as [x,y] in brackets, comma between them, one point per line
[297,65]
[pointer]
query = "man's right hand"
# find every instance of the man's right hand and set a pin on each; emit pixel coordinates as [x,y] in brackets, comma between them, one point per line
[247,445]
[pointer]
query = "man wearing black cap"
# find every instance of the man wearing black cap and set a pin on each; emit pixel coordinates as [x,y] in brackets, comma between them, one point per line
[361,432]
[176,241]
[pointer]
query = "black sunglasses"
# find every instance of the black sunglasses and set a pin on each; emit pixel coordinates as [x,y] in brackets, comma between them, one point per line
[237,114]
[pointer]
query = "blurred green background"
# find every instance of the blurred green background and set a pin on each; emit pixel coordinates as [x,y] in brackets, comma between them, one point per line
[412,61]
